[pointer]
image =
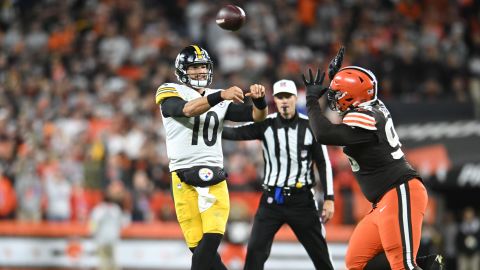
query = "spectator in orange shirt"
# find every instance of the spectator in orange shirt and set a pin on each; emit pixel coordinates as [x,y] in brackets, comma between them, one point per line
[8,199]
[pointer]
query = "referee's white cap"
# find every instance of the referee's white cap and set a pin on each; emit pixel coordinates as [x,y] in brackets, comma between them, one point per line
[284,86]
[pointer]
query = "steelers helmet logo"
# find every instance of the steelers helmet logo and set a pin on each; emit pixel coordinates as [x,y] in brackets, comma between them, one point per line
[205,174]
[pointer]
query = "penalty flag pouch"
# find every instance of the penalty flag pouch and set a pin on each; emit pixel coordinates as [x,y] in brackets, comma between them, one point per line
[202,176]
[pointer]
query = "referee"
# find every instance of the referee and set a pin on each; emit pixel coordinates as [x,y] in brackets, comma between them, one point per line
[289,150]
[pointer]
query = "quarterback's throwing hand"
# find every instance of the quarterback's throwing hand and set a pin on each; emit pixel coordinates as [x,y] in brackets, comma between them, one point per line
[314,84]
[234,94]
[256,91]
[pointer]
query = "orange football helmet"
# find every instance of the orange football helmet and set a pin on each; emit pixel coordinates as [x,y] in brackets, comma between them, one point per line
[350,87]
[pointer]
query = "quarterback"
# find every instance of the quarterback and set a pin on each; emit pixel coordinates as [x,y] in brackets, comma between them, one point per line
[372,146]
[193,117]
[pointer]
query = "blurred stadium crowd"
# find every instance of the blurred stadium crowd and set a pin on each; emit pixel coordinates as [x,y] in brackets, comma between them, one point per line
[77,83]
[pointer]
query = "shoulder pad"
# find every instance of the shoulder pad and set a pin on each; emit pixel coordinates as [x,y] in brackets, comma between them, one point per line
[166,90]
[360,118]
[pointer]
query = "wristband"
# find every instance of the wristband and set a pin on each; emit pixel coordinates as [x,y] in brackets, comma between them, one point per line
[260,103]
[214,99]
[329,197]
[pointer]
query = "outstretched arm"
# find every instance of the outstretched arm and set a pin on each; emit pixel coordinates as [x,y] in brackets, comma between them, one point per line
[247,113]
[249,131]
[325,131]
[200,105]
[175,106]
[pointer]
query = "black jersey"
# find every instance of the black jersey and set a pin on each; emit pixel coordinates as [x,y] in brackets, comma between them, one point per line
[378,165]
[370,142]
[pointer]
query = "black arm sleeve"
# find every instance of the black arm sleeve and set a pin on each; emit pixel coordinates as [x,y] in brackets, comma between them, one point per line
[173,106]
[324,170]
[239,113]
[335,134]
[249,131]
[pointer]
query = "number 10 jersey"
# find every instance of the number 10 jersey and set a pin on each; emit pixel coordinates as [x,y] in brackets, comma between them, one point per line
[193,141]
[381,165]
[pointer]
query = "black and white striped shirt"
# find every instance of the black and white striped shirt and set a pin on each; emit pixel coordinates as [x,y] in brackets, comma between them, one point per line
[289,150]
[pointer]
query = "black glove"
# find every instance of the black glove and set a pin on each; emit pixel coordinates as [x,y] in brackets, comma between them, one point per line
[336,63]
[314,85]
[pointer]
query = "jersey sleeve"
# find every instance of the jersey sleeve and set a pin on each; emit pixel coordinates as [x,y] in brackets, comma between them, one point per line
[360,118]
[166,91]
[322,161]
[239,113]
[248,131]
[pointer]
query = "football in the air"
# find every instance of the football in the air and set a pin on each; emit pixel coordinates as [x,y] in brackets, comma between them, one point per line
[231,17]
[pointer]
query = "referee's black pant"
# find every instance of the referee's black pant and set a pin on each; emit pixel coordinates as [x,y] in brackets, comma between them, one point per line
[300,213]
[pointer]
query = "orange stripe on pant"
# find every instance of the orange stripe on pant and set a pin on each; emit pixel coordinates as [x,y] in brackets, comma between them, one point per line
[394,226]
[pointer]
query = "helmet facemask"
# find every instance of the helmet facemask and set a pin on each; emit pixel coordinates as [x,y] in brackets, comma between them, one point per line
[200,80]
[332,99]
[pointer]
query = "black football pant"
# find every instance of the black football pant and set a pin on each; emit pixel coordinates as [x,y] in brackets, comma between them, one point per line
[300,213]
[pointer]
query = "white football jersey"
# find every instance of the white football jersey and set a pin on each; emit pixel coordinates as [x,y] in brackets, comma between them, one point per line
[193,141]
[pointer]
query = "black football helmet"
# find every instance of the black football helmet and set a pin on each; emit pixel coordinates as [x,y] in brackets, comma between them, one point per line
[192,55]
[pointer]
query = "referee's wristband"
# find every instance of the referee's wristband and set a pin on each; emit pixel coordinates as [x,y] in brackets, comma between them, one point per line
[329,197]
[215,98]
[260,103]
